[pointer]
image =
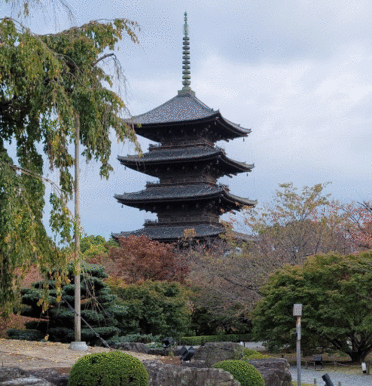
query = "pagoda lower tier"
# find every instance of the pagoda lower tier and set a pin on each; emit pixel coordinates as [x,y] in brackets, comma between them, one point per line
[194,205]
[176,232]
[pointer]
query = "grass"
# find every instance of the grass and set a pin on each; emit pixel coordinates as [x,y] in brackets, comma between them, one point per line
[332,361]
[302,384]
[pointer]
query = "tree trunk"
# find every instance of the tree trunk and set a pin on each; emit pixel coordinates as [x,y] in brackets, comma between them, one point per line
[359,356]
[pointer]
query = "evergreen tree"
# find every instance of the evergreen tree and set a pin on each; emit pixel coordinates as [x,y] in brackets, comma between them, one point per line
[98,308]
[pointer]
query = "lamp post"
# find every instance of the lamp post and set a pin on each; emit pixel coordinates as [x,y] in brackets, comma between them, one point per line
[297,312]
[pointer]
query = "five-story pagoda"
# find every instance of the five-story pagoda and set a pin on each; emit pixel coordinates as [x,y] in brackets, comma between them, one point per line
[187,164]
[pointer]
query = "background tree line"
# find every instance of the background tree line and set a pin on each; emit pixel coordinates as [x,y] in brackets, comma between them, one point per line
[225,287]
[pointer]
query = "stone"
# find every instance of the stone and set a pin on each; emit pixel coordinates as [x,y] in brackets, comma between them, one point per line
[169,375]
[212,353]
[14,376]
[195,363]
[158,351]
[78,346]
[56,376]
[274,371]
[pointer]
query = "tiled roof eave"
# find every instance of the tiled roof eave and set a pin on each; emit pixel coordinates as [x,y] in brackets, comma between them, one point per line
[223,194]
[135,161]
[155,125]
[242,132]
[239,165]
[132,162]
[216,116]
[240,200]
[174,233]
[154,200]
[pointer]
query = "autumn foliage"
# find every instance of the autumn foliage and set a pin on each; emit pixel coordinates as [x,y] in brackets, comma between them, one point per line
[139,258]
[357,224]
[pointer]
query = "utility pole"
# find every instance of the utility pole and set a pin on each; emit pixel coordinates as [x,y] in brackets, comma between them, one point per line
[77,233]
[297,312]
[77,344]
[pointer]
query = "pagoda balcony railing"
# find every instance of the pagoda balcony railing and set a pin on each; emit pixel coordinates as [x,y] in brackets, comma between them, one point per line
[184,143]
[189,219]
[134,156]
[152,146]
[151,222]
[180,181]
[152,183]
[211,219]
[224,186]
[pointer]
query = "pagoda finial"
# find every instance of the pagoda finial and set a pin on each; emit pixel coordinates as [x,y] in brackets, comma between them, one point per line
[186,78]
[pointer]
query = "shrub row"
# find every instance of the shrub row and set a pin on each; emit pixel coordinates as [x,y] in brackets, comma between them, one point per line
[14,333]
[118,369]
[253,354]
[199,340]
[141,338]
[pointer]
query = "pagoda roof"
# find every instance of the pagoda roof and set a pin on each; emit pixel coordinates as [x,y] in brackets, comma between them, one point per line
[184,108]
[186,192]
[173,233]
[181,155]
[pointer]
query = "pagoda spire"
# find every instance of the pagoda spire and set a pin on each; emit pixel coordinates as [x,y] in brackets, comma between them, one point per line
[186,77]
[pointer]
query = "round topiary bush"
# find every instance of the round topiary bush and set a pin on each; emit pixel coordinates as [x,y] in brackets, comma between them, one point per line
[242,371]
[108,369]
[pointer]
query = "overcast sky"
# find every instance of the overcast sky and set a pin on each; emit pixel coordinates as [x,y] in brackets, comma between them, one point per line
[298,73]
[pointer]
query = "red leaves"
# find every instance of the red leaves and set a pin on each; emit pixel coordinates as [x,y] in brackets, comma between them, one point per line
[140,258]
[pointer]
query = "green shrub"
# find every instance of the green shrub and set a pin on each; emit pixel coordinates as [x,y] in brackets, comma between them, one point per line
[154,308]
[199,340]
[242,371]
[13,333]
[253,354]
[144,338]
[108,369]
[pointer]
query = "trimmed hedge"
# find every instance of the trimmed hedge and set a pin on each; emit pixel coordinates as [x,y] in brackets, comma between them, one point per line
[108,369]
[199,340]
[253,354]
[140,338]
[242,371]
[13,333]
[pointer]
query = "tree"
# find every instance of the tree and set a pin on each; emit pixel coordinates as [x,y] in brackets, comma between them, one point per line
[99,308]
[139,258]
[50,85]
[157,308]
[225,287]
[356,224]
[24,6]
[335,292]
[93,246]
[293,226]
[296,225]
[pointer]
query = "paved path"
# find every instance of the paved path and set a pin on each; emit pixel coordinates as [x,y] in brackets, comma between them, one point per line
[308,376]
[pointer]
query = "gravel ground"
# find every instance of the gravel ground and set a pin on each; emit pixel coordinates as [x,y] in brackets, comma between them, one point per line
[40,355]
[308,376]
